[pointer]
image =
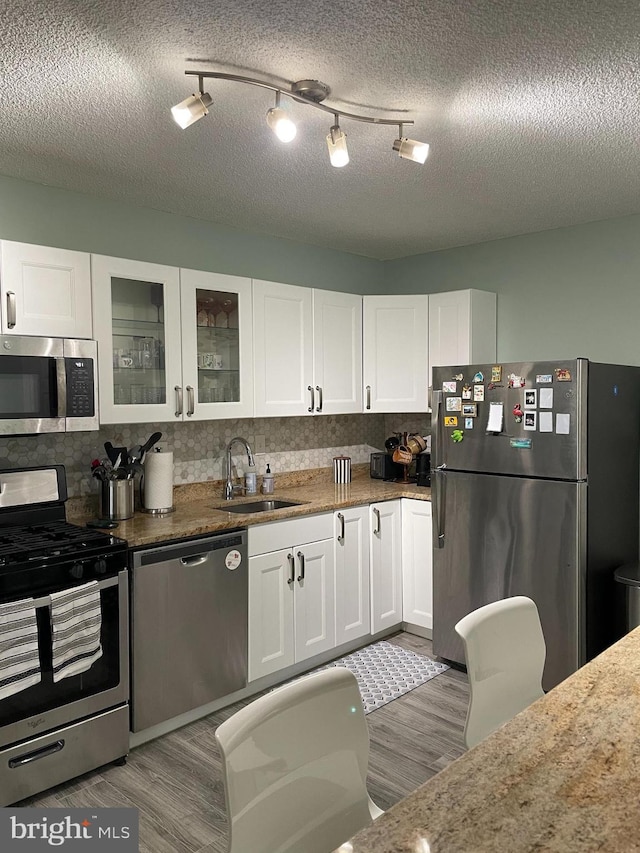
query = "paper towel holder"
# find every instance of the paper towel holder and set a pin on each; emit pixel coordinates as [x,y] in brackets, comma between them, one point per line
[160,511]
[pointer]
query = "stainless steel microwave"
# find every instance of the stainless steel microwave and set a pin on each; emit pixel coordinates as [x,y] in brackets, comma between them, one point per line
[47,385]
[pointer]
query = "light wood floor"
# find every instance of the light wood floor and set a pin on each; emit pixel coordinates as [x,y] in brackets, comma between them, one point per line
[175,780]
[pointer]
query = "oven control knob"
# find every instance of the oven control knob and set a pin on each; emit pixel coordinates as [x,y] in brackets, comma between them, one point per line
[77,570]
[101,566]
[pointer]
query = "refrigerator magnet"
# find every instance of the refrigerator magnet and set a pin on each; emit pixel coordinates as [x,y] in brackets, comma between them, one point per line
[530,419]
[516,381]
[517,413]
[466,392]
[479,377]
[451,421]
[531,399]
[496,373]
[454,404]
[449,387]
[563,374]
[470,410]
[457,435]
[543,378]
[468,423]
[478,393]
[563,424]
[545,421]
[458,376]
[546,398]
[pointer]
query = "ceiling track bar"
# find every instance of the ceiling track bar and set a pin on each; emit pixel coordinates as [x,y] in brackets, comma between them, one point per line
[252,81]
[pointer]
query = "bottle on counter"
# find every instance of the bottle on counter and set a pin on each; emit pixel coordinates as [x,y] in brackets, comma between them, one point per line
[250,481]
[267,482]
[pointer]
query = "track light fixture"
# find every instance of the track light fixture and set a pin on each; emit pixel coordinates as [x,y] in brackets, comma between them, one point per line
[310,92]
[409,149]
[191,109]
[280,123]
[337,142]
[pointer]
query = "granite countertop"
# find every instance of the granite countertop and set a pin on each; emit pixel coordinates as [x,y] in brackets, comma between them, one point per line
[564,775]
[200,508]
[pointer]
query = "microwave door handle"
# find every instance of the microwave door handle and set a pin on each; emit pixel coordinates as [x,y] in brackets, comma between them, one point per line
[11,309]
[61,386]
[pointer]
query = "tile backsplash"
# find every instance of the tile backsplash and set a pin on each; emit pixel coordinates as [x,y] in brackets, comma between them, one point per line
[288,444]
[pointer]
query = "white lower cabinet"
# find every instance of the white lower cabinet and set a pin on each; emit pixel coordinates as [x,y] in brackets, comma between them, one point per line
[386,565]
[417,564]
[291,596]
[353,607]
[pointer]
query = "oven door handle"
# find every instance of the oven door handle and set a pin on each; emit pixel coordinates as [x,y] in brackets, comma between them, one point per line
[45,600]
[61,386]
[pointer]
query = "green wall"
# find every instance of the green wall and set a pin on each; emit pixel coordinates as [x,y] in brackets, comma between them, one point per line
[561,294]
[33,213]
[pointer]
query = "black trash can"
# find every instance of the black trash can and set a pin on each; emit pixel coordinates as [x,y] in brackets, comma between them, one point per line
[629,575]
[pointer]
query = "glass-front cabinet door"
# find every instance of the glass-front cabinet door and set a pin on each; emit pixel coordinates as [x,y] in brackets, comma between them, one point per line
[136,321]
[216,345]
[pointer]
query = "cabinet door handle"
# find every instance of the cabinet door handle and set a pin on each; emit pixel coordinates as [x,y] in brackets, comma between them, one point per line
[191,401]
[313,398]
[341,534]
[368,397]
[319,390]
[376,529]
[11,309]
[178,390]
[301,558]
[292,568]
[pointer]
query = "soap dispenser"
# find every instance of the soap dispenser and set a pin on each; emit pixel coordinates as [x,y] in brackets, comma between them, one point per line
[267,482]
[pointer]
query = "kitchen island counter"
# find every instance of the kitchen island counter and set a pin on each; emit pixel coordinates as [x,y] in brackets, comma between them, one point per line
[564,775]
[200,508]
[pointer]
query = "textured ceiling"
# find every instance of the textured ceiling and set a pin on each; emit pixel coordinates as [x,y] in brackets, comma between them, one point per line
[531,108]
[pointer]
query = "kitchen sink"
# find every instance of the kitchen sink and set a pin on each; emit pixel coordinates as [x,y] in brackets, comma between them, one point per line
[258,506]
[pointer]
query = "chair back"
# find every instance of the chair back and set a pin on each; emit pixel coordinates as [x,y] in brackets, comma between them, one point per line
[295,767]
[505,653]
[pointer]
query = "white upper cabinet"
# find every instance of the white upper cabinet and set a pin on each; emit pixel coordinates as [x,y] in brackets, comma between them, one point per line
[136,313]
[217,351]
[307,350]
[45,292]
[462,328]
[283,349]
[337,352]
[395,353]
[172,344]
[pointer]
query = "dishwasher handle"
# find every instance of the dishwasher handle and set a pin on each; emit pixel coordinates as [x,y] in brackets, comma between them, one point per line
[198,560]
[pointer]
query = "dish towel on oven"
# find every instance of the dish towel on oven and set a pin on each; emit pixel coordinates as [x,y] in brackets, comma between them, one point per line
[76,623]
[19,656]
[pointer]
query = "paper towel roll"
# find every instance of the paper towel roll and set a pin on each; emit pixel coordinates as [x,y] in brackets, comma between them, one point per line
[158,481]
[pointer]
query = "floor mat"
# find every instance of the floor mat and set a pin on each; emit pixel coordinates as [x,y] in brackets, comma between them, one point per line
[386,671]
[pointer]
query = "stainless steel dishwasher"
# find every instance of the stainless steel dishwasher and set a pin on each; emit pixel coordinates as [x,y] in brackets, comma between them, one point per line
[189,625]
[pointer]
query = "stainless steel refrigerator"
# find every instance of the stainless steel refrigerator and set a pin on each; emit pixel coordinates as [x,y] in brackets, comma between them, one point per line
[535,492]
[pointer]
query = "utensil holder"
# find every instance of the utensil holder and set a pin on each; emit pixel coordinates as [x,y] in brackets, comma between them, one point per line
[117,499]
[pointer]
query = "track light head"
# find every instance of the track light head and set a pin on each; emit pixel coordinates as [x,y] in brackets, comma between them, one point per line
[409,149]
[191,109]
[280,123]
[337,144]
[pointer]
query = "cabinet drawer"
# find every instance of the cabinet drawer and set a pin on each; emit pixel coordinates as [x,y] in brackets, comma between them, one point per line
[285,534]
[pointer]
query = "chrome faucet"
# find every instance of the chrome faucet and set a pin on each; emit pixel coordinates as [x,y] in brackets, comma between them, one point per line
[229,488]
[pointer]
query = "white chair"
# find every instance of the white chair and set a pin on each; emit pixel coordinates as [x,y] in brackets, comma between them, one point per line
[295,767]
[505,653]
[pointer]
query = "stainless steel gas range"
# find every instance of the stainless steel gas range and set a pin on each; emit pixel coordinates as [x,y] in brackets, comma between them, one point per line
[64,683]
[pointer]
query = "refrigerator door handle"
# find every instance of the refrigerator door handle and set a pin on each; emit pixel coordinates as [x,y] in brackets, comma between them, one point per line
[438,502]
[437,406]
